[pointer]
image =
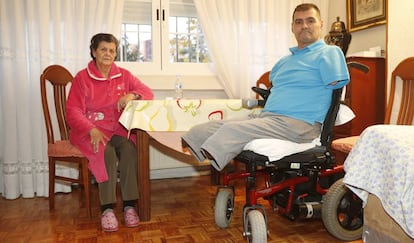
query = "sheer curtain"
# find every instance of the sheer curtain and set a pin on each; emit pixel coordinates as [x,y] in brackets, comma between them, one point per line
[245,38]
[35,34]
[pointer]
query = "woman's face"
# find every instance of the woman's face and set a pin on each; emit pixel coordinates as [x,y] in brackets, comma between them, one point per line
[105,53]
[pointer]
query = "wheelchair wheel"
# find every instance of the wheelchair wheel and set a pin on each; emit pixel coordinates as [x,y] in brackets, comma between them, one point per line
[224,206]
[256,227]
[342,212]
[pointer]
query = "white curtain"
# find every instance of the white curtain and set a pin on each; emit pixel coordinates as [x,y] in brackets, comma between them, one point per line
[245,38]
[35,34]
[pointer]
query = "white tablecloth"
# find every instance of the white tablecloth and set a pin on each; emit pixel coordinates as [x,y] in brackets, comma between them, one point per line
[382,163]
[180,115]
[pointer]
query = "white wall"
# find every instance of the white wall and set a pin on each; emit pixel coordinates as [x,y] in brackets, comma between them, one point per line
[362,40]
[400,32]
[400,43]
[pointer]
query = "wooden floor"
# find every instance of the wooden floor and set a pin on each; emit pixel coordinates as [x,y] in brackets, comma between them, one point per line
[182,211]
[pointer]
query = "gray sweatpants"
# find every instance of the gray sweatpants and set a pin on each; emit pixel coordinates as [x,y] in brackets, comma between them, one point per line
[224,140]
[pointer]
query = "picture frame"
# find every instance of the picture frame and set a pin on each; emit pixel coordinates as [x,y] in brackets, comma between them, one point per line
[363,14]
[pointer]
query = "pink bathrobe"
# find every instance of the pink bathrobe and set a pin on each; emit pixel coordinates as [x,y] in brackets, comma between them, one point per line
[92,102]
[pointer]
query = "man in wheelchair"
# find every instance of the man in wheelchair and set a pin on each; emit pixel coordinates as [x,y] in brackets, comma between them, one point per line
[301,92]
[299,108]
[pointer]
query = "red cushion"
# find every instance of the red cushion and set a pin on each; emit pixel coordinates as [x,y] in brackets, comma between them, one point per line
[344,144]
[63,148]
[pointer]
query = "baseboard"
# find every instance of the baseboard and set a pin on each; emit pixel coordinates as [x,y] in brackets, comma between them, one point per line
[187,171]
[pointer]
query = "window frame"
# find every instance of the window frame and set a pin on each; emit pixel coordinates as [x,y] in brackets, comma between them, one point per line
[160,64]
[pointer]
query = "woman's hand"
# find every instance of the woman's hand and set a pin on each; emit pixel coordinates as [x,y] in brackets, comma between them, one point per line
[123,101]
[97,137]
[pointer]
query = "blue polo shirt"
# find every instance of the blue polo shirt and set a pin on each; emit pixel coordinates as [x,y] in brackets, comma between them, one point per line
[301,82]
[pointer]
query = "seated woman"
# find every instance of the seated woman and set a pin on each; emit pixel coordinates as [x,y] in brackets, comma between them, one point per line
[95,102]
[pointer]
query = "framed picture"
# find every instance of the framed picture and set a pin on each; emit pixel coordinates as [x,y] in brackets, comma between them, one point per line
[362,14]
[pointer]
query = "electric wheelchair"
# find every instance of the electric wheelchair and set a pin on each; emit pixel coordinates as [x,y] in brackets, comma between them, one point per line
[307,184]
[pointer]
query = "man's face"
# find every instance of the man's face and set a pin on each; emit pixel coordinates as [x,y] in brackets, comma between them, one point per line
[307,27]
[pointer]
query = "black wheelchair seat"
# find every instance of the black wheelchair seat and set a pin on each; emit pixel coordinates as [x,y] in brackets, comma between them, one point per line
[317,156]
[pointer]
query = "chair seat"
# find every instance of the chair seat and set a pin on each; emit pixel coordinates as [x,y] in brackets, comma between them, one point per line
[344,144]
[63,148]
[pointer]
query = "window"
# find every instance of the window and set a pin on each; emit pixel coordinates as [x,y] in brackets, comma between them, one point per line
[186,40]
[162,36]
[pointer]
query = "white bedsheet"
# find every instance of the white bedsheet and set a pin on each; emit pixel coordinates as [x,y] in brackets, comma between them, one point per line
[382,163]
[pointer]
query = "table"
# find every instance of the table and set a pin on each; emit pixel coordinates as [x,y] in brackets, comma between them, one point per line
[382,163]
[164,121]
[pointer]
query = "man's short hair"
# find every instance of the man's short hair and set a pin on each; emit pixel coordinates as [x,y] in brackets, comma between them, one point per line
[305,7]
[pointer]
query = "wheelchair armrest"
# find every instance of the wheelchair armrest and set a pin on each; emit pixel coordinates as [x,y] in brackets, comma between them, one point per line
[261,103]
[264,93]
[252,103]
[362,67]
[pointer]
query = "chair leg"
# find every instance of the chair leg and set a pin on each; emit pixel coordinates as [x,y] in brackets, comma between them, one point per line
[52,172]
[86,188]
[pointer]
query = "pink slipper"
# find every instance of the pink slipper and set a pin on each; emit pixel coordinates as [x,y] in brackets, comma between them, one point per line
[108,221]
[131,217]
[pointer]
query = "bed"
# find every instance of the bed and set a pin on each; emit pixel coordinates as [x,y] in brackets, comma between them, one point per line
[380,170]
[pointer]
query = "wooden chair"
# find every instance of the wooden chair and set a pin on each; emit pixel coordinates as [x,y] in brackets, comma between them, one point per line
[400,109]
[61,150]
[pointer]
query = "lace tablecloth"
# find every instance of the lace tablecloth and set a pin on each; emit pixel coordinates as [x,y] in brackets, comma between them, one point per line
[382,163]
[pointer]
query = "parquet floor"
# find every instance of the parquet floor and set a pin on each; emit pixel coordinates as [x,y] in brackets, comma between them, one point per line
[182,211]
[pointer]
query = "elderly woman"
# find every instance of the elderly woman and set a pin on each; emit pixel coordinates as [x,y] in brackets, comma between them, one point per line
[95,102]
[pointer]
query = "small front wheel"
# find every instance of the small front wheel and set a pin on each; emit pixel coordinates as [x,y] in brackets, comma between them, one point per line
[342,212]
[256,227]
[224,207]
